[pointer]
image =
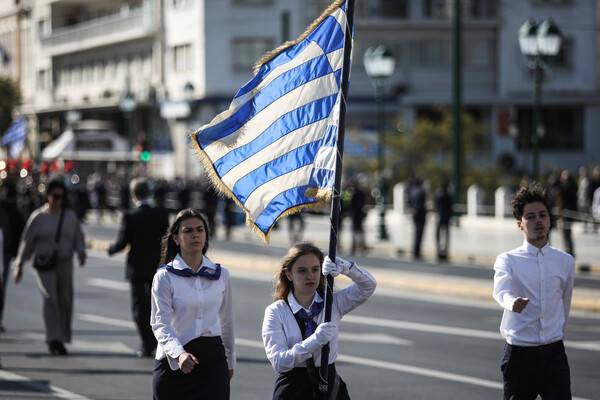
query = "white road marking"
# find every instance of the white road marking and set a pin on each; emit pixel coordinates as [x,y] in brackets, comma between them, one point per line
[415,326]
[41,387]
[377,338]
[108,284]
[106,320]
[104,347]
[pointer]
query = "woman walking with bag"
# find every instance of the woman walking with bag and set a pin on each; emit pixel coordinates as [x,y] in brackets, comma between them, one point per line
[293,329]
[52,234]
[192,316]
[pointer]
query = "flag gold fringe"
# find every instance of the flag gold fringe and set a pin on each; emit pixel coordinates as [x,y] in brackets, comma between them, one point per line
[321,196]
[267,57]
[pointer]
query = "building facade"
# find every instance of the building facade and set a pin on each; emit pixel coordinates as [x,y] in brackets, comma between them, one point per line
[156,68]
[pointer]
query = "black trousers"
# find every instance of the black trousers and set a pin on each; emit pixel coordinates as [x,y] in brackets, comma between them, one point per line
[141,307]
[208,380]
[296,385]
[539,370]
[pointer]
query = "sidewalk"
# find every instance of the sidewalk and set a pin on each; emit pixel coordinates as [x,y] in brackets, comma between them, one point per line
[476,243]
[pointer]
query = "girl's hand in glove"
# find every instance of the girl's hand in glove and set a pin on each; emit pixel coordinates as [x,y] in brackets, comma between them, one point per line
[325,332]
[339,267]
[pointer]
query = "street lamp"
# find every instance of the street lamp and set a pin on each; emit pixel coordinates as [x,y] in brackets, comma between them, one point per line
[538,42]
[379,64]
[128,105]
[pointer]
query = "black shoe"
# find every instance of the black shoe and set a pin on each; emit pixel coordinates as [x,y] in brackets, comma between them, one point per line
[56,348]
[143,353]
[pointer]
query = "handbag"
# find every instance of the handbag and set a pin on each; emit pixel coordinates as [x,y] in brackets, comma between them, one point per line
[47,262]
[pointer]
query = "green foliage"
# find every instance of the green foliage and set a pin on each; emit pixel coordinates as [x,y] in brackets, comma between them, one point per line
[427,152]
[10,98]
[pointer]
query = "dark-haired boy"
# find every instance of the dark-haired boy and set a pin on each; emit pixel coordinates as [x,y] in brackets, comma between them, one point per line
[534,285]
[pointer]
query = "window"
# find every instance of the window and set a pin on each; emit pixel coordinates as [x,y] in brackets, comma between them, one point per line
[434,9]
[42,82]
[563,58]
[253,2]
[182,57]
[429,53]
[482,9]
[563,128]
[248,51]
[182,3]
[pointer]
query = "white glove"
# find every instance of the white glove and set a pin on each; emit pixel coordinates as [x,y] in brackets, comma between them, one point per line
[339,267]
[325,332]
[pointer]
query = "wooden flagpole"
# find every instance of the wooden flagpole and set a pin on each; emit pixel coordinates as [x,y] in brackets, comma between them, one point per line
[335,202]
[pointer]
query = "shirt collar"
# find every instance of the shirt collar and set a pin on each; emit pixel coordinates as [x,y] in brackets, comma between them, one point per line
[534,250]
[295,306]
[178,263]
[145,202]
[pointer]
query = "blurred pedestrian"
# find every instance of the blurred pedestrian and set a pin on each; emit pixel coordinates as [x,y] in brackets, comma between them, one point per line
[293,328]
[594,184]
[54,229]
[12,223]
[357,210]
[583,203]
[192,316]
[568,208]
[295,226]
[443,206]
[142,228]
[534,284]
[417,203]
[211,201]
[596,206]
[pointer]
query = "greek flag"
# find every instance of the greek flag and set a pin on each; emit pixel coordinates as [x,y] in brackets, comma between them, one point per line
[274,150]
[15,136]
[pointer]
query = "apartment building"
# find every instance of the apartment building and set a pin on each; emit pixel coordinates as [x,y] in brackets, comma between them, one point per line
[156,68]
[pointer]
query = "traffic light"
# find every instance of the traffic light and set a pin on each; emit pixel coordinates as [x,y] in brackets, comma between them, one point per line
[145,156]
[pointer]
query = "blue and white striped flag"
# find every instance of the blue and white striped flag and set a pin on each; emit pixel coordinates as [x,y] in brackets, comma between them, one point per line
[15,136]
[274,150]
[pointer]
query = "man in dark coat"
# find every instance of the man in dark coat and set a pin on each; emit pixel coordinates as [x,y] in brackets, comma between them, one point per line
[142,228]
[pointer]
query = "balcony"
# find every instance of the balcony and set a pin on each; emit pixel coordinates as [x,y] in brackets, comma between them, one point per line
[135,24]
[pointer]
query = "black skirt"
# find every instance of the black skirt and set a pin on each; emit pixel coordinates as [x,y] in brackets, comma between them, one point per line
[296,385]
[209,380]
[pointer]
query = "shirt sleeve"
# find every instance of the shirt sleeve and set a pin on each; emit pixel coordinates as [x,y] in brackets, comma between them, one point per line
[160,319]
[27,241]
[282,357]
[351,297]
[226,318]
[503,282]
[568,293]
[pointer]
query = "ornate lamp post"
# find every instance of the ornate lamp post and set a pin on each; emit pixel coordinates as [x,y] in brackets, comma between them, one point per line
[380,64]
[538,42]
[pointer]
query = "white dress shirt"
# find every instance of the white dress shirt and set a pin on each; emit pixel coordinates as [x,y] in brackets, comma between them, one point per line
[545,276]
[186,308]
[282,337]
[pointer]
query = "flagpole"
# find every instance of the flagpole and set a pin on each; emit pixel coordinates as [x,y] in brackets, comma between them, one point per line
[335,201]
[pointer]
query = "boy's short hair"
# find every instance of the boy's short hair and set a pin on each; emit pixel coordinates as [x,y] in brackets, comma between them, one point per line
[140,189]
[532,193]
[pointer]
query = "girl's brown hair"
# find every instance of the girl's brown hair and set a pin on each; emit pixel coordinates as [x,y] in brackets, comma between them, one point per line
[169,248]
[283,286]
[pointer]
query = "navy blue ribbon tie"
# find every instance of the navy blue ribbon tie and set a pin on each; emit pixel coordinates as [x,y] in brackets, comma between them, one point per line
[189,273]
[309,323]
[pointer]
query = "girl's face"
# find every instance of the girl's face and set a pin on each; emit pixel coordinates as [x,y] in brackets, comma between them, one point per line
[191,236]
[305,274]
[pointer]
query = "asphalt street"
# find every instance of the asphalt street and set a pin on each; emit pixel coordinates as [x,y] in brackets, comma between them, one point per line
[414,339]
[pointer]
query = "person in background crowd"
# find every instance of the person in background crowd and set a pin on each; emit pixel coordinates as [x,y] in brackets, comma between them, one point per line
[583,203]
[12,223]
[293,328]
[357,210]
[534,284]
[56,285]
[443,206]
[192,316]
[142,228]
[417,203]
[568,208]
[594,184]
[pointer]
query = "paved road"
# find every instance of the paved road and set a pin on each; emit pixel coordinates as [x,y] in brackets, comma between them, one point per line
[430,331]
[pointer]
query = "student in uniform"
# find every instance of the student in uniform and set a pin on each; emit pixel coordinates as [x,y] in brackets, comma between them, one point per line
[192,316]
[293,328]
[534,284]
